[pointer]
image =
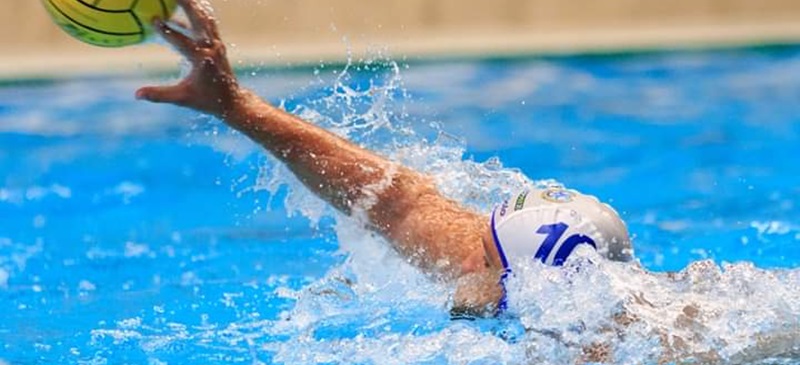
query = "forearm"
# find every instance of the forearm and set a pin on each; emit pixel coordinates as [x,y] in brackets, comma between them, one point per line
[344,174]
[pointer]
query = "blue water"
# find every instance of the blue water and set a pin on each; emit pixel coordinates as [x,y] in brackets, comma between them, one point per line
[138,233]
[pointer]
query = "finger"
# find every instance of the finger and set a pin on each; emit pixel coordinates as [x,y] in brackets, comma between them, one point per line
[180,25]
[175,94]
[200,17]
[176,38]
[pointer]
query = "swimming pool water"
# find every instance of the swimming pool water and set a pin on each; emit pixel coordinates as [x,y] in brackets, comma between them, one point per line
[139,233]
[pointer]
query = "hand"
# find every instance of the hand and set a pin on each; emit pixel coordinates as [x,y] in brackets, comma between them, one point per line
[211,86]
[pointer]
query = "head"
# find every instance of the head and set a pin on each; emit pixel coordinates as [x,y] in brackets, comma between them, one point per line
[550,224]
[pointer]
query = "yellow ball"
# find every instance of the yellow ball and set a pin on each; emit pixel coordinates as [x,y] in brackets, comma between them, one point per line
[109,23]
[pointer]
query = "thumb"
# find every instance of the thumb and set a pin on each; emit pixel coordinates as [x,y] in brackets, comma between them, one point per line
[175,94]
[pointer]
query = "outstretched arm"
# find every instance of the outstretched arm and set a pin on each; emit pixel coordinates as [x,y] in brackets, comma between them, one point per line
[435,233]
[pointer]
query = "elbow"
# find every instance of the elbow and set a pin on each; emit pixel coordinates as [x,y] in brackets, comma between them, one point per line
[404,195]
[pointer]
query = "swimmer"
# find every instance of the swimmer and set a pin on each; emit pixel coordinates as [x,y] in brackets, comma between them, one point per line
[436,234]
[448,241]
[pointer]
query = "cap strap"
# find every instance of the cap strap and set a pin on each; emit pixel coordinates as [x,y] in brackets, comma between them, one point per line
[502,305]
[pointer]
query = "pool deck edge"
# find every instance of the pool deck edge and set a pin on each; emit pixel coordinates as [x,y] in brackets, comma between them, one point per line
[29,62]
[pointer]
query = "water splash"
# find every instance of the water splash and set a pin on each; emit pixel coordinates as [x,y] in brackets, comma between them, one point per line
[375,308]
[366,104]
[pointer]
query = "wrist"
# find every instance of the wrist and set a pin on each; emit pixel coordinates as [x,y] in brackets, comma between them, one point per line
[239,107]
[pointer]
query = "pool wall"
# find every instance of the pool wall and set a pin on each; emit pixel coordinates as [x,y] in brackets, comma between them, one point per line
[301,31]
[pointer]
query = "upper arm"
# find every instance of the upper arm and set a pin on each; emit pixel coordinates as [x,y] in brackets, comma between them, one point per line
[435,233]
[440,236]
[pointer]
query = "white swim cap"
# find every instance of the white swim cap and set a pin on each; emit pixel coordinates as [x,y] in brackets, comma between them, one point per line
[548,225]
